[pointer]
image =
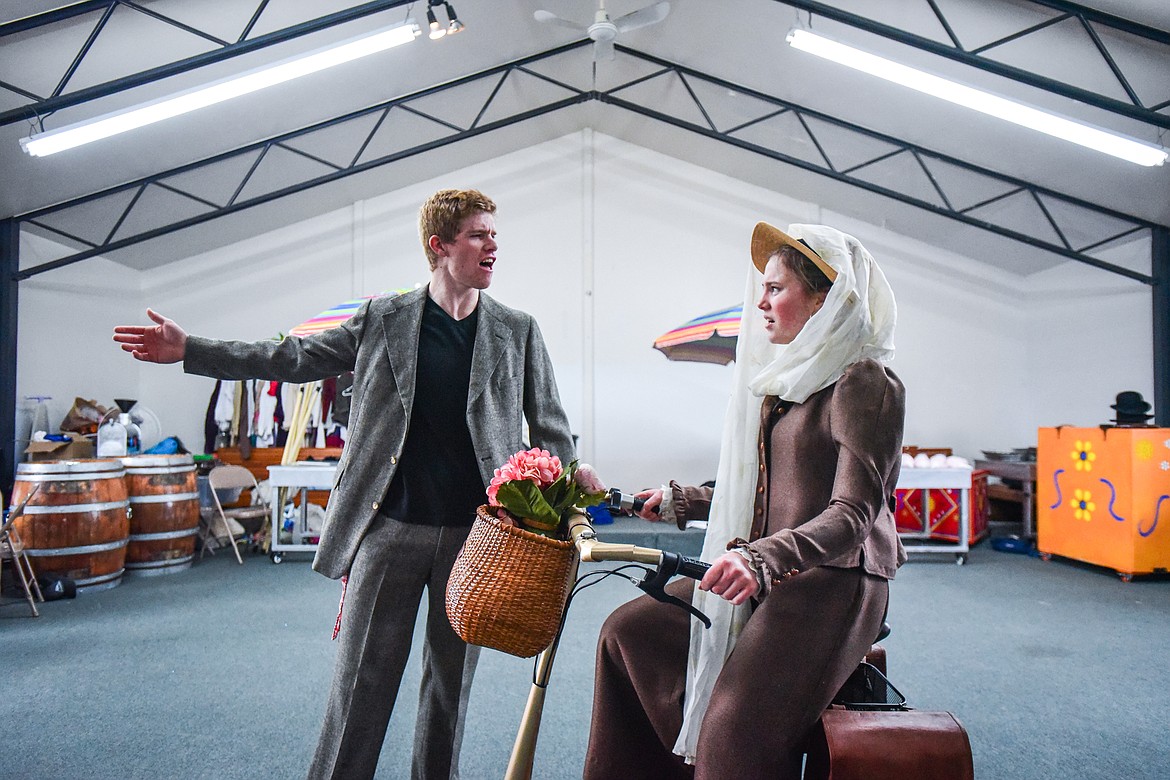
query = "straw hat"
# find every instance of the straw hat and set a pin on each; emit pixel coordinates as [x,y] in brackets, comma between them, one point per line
[767,240]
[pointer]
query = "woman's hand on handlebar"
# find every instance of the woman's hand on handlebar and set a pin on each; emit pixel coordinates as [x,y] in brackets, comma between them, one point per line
[731,578]
[649,510]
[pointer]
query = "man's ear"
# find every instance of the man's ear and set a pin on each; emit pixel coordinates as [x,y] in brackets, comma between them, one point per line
[436,245]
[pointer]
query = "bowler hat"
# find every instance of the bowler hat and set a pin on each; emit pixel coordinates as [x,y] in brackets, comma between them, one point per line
[1131,408]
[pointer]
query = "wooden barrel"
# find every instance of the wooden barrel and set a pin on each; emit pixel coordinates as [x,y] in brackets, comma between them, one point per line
[76,524]
[164,513]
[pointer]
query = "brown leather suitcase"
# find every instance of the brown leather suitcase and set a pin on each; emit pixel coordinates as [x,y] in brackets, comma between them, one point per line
[888,745]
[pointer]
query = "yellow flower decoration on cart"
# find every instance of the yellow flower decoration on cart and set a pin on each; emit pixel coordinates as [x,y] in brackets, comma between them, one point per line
[1083,455]
[1144,450]
[1083,507]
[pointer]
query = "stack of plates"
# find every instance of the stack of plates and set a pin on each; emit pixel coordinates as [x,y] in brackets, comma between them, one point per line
[1018,455]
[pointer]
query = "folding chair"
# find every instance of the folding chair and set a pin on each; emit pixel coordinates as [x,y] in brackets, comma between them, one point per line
[11,548]
[235,521]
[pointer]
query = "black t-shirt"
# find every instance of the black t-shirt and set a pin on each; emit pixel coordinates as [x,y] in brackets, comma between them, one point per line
[438,480]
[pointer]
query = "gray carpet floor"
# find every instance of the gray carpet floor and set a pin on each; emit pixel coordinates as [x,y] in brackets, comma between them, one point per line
[1057,670]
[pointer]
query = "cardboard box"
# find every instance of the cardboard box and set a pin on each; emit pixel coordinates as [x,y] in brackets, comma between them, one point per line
[76,448]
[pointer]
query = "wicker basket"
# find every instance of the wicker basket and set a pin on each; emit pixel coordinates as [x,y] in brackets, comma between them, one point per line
[508,587]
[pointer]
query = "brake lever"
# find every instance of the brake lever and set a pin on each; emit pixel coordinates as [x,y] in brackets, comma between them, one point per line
[654,583]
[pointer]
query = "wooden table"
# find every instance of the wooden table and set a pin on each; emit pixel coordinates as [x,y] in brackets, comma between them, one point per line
[1025,474]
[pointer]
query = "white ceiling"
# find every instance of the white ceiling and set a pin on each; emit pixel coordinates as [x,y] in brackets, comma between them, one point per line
[738,41]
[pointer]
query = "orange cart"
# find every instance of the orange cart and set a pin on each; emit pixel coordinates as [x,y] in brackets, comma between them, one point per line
[1103,497]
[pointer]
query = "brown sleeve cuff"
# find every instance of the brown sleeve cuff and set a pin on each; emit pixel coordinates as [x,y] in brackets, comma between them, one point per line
[767,576]
[690,503]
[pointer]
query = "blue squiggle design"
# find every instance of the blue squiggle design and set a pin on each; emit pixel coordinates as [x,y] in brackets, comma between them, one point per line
[1056,483]
[1112,499]
[1157,511]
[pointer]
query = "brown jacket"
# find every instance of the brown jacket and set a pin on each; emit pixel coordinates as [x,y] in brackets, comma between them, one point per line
[828,469]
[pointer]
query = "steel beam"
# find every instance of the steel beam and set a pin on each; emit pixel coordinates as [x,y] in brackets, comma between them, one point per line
[1161,292]
[9,286]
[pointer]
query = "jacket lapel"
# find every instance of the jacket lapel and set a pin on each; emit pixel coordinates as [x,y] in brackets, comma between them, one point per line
[492,336]
[400,327]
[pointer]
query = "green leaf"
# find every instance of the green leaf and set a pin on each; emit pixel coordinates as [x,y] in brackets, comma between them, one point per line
[523,499]
[560,493]
[590,499]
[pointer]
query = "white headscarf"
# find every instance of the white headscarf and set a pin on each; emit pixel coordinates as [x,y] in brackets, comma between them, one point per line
[855,322]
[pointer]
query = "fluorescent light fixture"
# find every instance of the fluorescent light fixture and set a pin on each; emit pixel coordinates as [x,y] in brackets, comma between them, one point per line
[1130,149]
[79,133]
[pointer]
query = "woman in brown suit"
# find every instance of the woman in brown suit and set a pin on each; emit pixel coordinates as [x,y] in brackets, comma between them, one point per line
[800,534]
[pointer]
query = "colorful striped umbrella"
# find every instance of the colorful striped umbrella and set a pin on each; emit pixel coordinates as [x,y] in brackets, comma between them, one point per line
[706,339]
[331,318]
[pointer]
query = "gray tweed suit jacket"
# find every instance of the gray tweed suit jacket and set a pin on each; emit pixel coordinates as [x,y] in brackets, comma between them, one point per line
[511,381]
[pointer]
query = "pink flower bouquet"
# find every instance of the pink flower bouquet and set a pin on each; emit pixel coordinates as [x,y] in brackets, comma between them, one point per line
[536,490]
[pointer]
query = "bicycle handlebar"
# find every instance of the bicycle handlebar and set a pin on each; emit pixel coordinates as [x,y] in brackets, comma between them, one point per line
[585,538]
[667,564]
[692,567]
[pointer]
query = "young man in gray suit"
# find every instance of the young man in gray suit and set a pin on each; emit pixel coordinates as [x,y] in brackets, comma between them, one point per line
[444,378]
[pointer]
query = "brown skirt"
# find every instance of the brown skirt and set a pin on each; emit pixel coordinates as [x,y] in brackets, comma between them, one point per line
[797,649]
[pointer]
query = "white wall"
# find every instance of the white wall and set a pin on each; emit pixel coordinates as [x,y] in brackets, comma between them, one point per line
[609,245]
[64,336]
[1090,336]
[960,343]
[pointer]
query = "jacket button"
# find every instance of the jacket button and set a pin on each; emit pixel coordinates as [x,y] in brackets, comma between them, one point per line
[393,459]
[375,505]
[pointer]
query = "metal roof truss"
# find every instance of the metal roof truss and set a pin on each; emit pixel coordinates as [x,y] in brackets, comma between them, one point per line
[103,222]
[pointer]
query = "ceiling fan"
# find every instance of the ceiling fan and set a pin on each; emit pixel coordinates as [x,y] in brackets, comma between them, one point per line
[604,30]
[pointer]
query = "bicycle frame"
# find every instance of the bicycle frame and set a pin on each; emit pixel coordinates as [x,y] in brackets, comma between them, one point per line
[589,549]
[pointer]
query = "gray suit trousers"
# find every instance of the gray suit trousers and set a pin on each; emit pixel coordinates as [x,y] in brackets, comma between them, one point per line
[395,563]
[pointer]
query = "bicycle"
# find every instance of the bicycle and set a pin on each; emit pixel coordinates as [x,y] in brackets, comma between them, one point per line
[866,695]
[659,567]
